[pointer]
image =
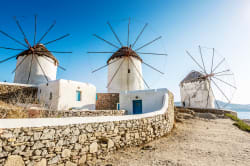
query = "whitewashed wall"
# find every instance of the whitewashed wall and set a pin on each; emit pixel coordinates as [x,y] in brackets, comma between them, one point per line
[197,94]
[37,75]
[152,100]
[64,95]
[123,80]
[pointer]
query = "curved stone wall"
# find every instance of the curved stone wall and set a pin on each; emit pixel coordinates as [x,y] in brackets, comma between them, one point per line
[86,139]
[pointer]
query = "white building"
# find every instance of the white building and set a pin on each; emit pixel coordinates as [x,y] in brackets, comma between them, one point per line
[34,69]
[195,91]
[124,71]
[142,101]
[66,94]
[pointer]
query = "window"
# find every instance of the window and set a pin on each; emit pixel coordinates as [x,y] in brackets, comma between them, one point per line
[50,95]
[78,95]
[96,97]
[118,106]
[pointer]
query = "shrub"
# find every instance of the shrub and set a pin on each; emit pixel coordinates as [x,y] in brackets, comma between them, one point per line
[239,123]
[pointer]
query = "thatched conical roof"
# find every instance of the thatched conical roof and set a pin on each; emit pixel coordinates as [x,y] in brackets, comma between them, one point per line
[124,51]
[39,50]
[193,76]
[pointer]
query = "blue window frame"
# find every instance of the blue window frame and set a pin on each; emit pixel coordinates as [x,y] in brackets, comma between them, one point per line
[78,95]
[118,106]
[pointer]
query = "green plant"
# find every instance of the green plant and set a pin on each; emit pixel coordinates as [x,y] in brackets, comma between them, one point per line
[239,123]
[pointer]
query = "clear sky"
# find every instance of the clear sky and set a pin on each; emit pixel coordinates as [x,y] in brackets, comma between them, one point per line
[184,24]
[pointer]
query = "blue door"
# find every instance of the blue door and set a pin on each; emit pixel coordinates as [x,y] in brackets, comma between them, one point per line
[137,107]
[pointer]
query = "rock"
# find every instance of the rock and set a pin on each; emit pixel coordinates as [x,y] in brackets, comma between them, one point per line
[73,139]
[48,134]
[82,160]
[68,163]
[77,146]
[148,147]
[110,143]
[38,145]
[137,136]
[38,152]
[66,131]
[82,138]
[54,160]
[185,116]
[43,162]
[206,115]
[116,130]
[66,153]
[89,128]
[6,135]
[93,148]
[50,144]
[37,135]
[14,160]
[75,131]
[59,143]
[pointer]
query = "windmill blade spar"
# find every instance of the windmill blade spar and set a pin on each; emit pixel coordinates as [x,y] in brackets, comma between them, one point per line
[220,90]
[100,38]
[195,61]
[60,38]
[204,68]
[151,53]
[8,59]
[152,67]
[148,43]
[139,73]
[53,24]
[10,37]
[117,38]
[34,42]
[139,35]
[19,64]
[15,49]
[104,66]
[21,29]
[115,73]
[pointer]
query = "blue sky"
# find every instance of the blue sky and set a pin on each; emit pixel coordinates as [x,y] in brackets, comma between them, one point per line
[184,24]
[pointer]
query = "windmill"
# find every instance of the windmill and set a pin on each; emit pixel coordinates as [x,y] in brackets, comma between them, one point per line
[35,63]
[125,63]
[212,85]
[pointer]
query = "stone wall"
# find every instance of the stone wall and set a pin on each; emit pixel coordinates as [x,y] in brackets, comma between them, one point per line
[78,144]
[205,110]
[12,93]
[107,101]
[19,112]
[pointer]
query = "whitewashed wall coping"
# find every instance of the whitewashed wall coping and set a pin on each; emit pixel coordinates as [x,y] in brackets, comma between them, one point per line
[145,91]
[17,84]
[40,122]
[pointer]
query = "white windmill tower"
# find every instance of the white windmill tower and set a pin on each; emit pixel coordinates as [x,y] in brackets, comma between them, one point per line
[213,85]
[35,64]
[125,65]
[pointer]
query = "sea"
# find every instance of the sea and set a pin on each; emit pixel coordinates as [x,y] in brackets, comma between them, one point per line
[243,115]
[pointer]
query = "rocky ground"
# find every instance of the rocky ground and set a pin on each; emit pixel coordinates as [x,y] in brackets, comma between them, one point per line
[198,141]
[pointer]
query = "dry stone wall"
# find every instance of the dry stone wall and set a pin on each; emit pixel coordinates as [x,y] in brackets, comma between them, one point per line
[81,143]
[20,112]
[107,101]
[13,93]
[205,110]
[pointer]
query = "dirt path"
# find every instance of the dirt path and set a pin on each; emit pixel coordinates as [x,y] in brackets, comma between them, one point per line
[194,142]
